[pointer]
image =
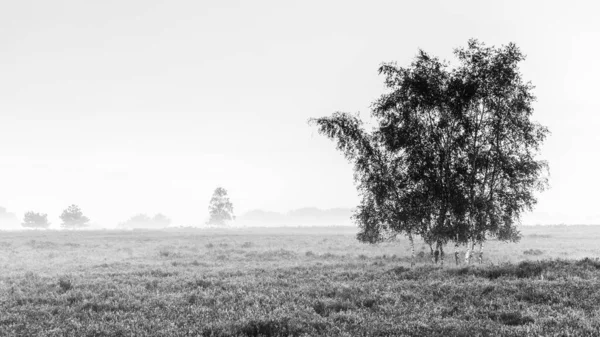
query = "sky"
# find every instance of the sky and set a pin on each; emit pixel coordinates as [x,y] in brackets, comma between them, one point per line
[146,106]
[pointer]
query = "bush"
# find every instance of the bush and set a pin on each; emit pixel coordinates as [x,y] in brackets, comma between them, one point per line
[533,252]
[539,236]
[326,307]
[65,283]
[164,253]
[587,262]
[511,318]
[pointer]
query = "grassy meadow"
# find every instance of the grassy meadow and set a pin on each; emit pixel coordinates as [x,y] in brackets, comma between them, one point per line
[293,282]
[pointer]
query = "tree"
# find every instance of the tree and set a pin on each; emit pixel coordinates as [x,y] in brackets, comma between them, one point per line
[453,155]
[73,217]
[136,221]
[161,221]
[144,221]
[8,219]
[220,208]
[35,220]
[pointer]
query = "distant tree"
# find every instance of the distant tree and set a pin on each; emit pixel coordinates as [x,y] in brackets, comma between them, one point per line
[35,220]
[73,217]
[220,208]
[136,221]
[161,221]
[8,219]
[144,221]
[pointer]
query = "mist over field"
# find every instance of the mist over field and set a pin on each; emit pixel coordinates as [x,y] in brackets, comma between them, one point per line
[292,281]
[299,168]
[301,217]
[8,220]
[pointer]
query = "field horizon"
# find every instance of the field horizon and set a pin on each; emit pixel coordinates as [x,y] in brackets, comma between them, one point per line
[292,282]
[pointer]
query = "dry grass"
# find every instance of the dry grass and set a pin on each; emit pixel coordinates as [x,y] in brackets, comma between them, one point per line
[295,282]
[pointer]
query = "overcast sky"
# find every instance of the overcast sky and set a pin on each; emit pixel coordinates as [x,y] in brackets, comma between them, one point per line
[134,106]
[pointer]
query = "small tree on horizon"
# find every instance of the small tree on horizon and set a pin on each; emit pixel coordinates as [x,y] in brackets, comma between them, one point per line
[73,217]
[220,208]
[35,220]
[144,221]
[161,220]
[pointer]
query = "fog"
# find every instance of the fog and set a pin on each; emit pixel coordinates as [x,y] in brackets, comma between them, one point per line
[8,220]
[145,107]
[302,217]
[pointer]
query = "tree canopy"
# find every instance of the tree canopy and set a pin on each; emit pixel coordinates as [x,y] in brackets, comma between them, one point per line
[73,217]
[220,208]
[144,221]
[35,220]
[453,155]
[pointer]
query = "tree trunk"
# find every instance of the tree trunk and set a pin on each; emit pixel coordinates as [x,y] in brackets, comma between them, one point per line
[412,250]
[456,253]
[441,250]
[481,252]
[470,248]
[433,255]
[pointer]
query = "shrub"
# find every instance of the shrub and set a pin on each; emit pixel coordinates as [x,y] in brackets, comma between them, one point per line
[326,307]
[65,283]
[400,270]
[201,283]
[587,262]
[511,318]
[533,252]
[270,327]
[539,236]
[524,269]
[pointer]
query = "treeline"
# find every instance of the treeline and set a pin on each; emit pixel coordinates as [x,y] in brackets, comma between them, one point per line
[220,214]
[73,218]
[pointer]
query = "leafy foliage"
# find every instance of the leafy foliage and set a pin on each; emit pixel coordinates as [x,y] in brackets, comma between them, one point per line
[220,208]
[453,154]
[35,220]
[73,217]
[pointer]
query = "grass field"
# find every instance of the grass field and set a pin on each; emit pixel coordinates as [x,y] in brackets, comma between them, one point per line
[293,282]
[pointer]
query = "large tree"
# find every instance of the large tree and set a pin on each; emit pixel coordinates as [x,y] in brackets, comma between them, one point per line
[35,220]
[220,208]
[73,217]
[452,157]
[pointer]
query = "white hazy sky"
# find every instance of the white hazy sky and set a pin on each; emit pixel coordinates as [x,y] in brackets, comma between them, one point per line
[136,106]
